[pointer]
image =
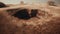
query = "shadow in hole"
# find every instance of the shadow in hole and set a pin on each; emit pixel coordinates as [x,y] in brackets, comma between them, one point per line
[22,14]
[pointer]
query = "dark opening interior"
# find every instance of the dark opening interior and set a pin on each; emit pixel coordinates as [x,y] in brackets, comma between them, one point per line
[34,12]
[22,14]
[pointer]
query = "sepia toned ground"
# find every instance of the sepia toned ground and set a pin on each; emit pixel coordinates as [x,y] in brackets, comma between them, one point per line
[46,22]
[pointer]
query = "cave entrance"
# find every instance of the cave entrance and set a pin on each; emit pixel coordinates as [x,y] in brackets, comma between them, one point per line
[24,14]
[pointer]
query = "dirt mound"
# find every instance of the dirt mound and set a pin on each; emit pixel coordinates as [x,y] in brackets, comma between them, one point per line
[45,25]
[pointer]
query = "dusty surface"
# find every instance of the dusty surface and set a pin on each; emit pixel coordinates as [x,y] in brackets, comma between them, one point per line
[47,23]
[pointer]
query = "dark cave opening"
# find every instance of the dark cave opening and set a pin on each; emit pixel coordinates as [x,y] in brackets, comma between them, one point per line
[24,14]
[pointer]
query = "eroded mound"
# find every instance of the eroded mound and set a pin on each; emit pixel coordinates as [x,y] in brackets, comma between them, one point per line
[45,25]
